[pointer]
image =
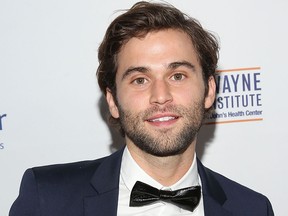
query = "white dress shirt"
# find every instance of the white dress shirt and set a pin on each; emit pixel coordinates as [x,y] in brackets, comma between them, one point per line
[130,173]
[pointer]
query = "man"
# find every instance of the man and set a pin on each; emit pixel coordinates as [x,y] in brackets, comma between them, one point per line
[156,70]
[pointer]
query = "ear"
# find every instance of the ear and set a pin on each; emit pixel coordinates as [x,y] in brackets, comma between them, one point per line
[111,104]
[211,94]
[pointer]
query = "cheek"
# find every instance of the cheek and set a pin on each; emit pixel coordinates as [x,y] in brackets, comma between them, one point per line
[190,93]
[132,101]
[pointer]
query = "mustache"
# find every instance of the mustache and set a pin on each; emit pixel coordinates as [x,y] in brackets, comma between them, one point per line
[175,109]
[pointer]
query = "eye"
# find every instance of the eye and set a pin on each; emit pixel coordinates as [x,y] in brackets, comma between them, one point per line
[178,77]
[139,81]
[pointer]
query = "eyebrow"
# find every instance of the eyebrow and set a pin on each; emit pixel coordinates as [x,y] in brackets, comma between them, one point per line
[175,65]
[132,70]
[171,66]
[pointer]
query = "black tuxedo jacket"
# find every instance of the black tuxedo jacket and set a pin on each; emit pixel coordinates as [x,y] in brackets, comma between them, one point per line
[90,188]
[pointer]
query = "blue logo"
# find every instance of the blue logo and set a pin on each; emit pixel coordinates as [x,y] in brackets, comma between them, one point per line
[239,96]
[1,120]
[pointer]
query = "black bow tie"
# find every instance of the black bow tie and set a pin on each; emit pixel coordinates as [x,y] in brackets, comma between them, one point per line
[186,198]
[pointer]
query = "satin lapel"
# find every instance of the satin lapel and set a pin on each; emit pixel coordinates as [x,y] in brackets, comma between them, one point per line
[106,184]
[213,195]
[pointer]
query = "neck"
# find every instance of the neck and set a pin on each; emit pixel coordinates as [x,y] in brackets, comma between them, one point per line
[165,170]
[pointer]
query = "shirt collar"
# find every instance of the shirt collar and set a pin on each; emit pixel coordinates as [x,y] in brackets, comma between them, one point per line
[132,172]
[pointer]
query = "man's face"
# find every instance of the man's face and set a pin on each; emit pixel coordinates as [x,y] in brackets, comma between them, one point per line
[160,92]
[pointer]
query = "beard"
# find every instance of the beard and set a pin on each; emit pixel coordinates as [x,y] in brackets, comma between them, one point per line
[168,141]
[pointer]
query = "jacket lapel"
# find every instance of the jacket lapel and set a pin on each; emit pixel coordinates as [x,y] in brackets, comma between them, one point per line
[213,195]
[106,184]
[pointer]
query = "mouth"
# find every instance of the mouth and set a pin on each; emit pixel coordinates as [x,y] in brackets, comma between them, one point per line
[163,119]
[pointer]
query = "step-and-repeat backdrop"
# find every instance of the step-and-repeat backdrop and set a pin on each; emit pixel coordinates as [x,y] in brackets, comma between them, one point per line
[51,110]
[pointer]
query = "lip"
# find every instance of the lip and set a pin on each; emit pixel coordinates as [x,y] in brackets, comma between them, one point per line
[163,119]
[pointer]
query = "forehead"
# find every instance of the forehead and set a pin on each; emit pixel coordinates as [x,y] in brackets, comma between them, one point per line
[157,48]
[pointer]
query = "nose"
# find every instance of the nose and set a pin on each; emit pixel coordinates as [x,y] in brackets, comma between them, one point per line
[160,93]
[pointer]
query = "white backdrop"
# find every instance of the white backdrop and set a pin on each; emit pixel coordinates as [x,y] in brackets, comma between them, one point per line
[50,102]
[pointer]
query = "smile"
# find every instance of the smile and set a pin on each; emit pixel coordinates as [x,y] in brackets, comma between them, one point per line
[163,119]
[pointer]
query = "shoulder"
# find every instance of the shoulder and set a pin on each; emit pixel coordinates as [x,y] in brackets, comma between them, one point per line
[81,170]
[56,172]
[71,174]
[51,188]
[233,188]
[233,195]
[48,187]
[60,179]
